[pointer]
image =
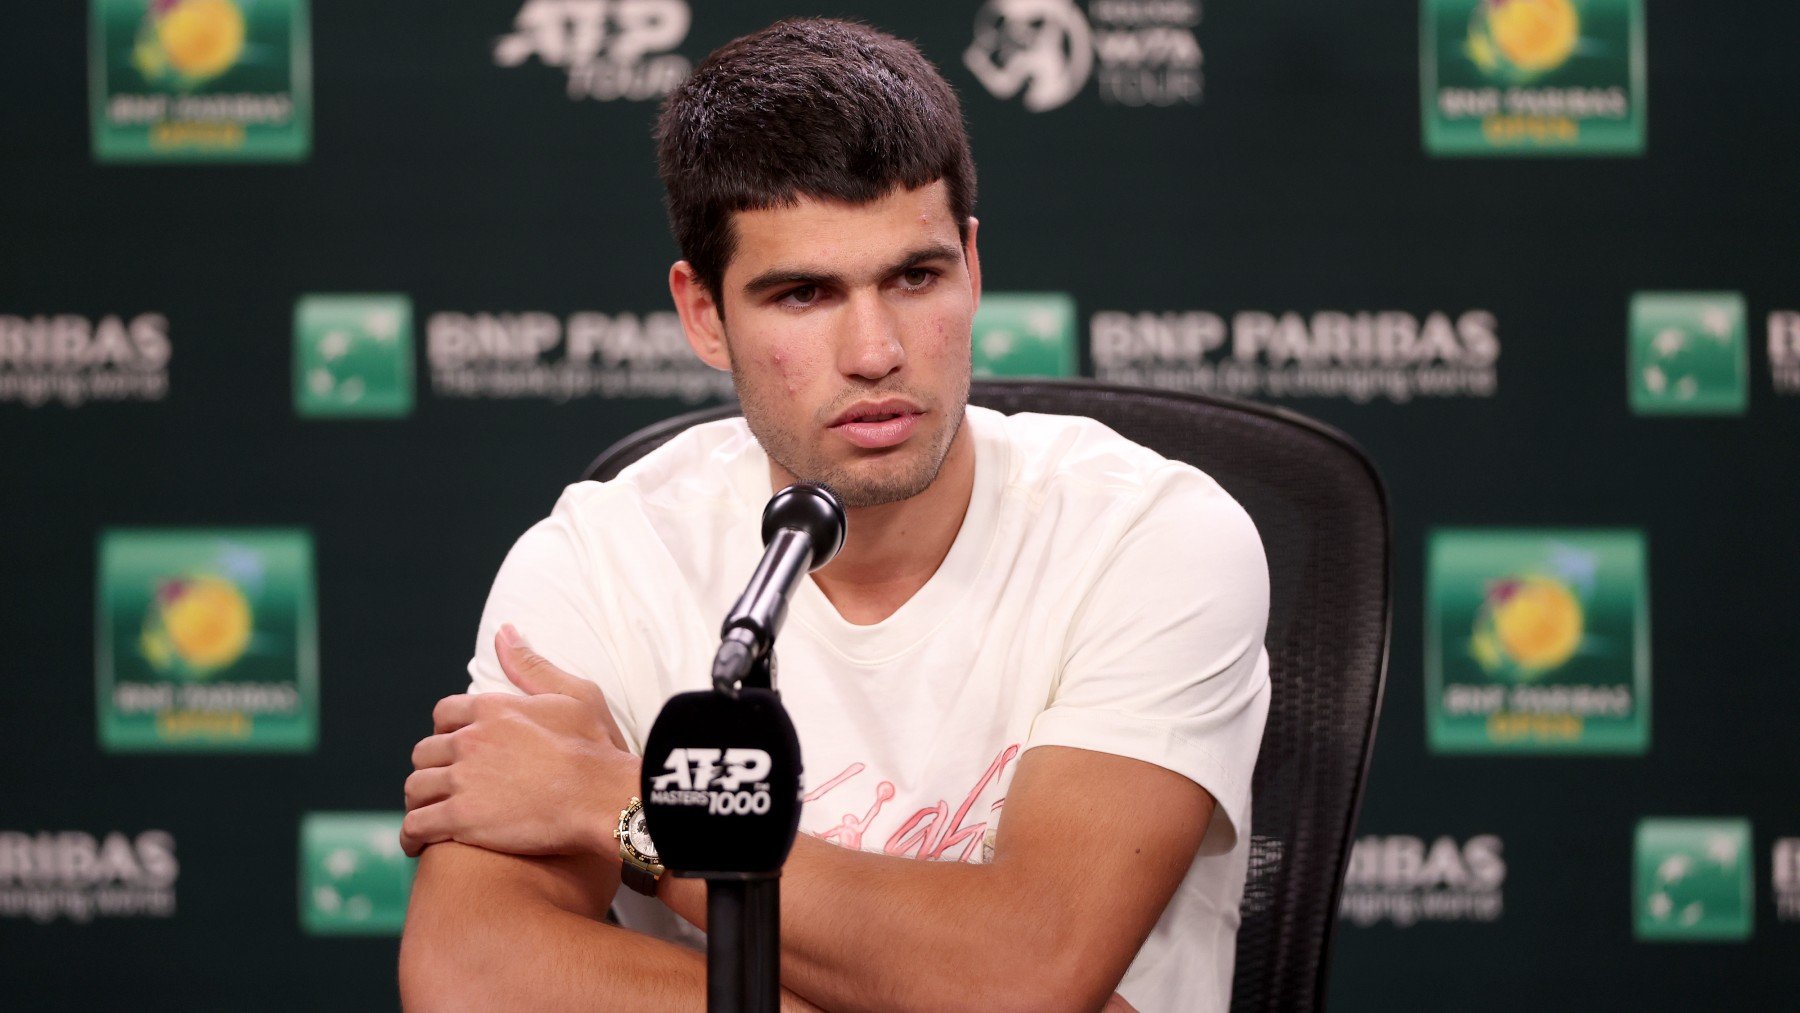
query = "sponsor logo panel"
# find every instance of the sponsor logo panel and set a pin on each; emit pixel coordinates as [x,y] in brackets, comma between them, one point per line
[1537,641]
[200,80]
[77,876]
[1402,880]
[354,879]
[1784,878]
[1360,356]
[539,355]
[1689,353]
[1532,77]
[1025,334]
[70,359]
[610,49]
[353,356]
[1045,52]
[206,640]
[1693,879]
[1784,351]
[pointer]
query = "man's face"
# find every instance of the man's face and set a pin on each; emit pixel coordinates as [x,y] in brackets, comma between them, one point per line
[847,329]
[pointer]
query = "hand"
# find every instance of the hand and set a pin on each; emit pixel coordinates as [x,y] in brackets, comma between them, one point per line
[540,774]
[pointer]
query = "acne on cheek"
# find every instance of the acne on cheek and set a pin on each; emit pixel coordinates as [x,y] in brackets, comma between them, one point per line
[790,367]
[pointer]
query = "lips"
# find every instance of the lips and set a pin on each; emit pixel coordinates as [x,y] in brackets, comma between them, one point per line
[874,425]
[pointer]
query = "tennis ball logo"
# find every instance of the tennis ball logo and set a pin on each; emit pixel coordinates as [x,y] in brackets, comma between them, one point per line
[1526,626]
[196,625]
[190,40]
[1523,38]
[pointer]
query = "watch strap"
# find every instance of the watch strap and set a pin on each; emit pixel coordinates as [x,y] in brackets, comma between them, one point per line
[638,878]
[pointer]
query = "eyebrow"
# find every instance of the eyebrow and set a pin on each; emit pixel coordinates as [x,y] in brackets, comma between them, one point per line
[778,277]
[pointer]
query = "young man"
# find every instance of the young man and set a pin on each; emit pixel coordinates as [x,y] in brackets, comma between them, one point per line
[1037,661]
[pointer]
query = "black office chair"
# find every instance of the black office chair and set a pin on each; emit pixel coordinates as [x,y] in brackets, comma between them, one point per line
[1322,513]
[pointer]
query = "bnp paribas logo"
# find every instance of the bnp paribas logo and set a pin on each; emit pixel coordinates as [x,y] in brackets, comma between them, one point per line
[1689,354]
[1025,334]
[206,640]
[354,879]
[1693,879]
[1537,641]
[200,80]
[1532,77]
[353,356]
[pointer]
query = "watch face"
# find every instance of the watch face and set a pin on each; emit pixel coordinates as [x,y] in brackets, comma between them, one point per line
[638,837]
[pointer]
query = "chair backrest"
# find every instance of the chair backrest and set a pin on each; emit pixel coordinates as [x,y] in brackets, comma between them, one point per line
[1322,513]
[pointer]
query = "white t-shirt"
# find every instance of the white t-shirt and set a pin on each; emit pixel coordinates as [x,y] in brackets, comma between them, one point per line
[1097,595]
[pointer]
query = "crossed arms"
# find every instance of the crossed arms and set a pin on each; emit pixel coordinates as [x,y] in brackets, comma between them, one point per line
[516,796]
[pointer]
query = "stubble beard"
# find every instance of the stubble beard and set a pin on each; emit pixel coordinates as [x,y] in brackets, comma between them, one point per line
[885,482]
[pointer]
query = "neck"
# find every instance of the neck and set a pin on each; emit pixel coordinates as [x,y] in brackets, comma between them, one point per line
[894,548]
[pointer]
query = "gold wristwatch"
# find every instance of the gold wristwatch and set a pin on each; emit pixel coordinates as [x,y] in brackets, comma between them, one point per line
[639,867]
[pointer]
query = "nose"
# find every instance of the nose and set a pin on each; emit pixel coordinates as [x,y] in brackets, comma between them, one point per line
[870,346]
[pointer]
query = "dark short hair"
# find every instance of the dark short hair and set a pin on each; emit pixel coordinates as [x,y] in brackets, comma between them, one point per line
[826,109]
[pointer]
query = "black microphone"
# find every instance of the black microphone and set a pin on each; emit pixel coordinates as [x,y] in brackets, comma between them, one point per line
[721,773]
[803,528]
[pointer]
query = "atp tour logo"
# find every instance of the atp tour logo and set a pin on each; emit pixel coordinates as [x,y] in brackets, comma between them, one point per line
[611,49]
[75,875]
[72,359]
[1139,52]
[1404,880]
[695,777]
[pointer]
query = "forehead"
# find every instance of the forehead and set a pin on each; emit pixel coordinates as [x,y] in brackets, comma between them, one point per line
[839,235]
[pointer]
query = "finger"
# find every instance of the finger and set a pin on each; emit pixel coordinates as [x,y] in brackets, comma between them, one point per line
[434,751]
[452,712]
[528,669]
[427,787]
[427,825]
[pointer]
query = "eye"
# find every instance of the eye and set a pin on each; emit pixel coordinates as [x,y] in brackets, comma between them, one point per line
[918,277]
[805,295]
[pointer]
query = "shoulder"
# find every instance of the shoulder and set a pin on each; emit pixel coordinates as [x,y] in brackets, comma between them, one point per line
[1076,469]
[695,471]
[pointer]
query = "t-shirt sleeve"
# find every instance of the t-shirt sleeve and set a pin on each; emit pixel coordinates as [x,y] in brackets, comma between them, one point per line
[1165,660]
[546,590]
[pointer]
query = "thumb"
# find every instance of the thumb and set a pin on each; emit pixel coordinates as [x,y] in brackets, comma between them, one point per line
[528,669]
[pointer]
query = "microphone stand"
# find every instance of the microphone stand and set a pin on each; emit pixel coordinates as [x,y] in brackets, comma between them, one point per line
[743,912]
[734,831]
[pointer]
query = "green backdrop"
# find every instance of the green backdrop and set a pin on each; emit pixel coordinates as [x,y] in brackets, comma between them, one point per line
[308,310]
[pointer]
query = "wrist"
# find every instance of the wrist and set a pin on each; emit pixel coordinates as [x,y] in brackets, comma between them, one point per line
[612,803]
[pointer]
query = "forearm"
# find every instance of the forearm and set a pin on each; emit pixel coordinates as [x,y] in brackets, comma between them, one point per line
[505,937]
[862,931]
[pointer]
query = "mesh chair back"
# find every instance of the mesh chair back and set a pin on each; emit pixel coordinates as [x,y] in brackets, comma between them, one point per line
[1322,514]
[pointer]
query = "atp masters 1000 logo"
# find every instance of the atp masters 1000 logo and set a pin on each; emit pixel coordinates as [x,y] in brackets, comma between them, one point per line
[206,640]
[1532,76]
[200,80]
[1537,641]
